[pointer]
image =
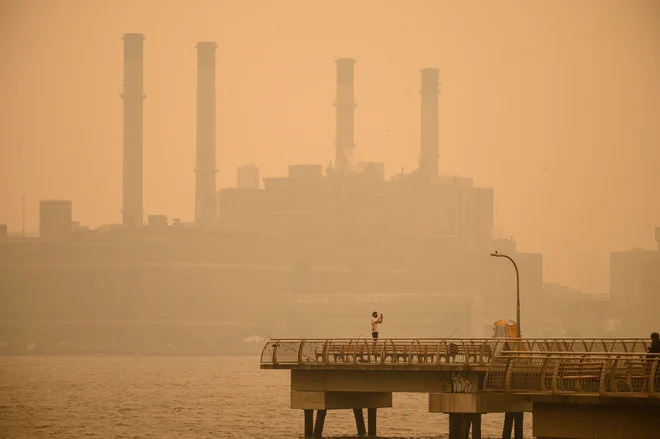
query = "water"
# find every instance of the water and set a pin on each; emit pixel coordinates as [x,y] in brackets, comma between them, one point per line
[181,398]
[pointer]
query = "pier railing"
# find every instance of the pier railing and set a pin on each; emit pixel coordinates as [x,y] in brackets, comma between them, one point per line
[577,373]
[430,351]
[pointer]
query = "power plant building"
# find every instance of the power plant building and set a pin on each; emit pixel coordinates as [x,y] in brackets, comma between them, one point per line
[55,219]
[346,233]
[247,177]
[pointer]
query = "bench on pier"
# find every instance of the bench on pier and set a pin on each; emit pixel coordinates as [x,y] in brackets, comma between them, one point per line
[347,353]
[475,353]
[580,376]
[586,377]
[432,353]
[385,351]
[634,377]
[414,353]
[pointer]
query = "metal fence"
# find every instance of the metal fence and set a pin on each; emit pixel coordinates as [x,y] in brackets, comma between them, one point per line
[584,373]
[469,351]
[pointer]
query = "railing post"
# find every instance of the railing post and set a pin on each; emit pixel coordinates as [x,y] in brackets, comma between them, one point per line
[544,369]
[493,347]
[482,350]
[324,355]
[608,377]
[275,346]
[603,375]
[508,373]
[652,373]
[611,385]
[300,352]
[555,374]
[466,352]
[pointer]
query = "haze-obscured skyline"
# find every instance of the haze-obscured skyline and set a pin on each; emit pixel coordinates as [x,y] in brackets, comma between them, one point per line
[555,105]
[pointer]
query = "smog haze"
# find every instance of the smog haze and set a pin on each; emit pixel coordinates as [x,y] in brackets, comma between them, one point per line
[554,105]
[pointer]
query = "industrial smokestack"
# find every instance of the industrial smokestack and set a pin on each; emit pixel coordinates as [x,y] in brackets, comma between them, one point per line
[428,162]
[205,193]
[133,96]
[345,105]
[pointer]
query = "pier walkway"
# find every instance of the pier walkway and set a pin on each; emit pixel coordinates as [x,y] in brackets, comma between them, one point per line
[611,385]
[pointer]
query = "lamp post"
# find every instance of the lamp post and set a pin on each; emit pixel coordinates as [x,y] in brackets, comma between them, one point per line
[500,255]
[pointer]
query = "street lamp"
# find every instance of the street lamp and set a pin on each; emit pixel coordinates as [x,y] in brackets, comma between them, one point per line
[500,255]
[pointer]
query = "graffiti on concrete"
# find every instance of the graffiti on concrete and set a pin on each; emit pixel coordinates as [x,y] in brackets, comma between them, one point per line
[461,383]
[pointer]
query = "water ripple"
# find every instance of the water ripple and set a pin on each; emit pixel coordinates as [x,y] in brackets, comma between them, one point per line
[181,398]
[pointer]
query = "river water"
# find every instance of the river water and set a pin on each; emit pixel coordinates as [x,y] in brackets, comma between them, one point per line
[181,398]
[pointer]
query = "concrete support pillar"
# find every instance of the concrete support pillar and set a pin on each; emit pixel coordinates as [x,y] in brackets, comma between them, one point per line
[518,425]
[508,426]
[511,419]
[309,423]
[371,415]
[454,425]
[320,420]
[460,425]
[466,421]
[476,426]
[359,422]
[323,401]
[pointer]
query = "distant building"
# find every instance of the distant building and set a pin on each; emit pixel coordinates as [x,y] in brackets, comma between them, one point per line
[364,202]
[55,219]
[157,221]
[635,288]
[583,270]
[247,177]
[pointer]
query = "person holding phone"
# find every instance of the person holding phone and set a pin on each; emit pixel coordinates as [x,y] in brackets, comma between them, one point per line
[376,320]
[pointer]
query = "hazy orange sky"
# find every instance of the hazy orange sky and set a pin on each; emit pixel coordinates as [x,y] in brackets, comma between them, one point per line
[554,104]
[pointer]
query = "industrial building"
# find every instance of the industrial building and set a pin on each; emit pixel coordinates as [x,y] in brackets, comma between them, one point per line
[326,242]
[55,219]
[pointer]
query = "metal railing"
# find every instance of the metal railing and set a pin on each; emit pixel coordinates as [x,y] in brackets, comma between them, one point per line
[429,352]
[578,373]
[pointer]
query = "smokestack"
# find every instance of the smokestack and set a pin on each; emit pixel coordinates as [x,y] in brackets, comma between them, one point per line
[345,105]
[428,162]
[133,97]
[205,192]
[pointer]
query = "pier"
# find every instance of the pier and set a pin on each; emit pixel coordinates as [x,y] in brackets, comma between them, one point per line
[575,388]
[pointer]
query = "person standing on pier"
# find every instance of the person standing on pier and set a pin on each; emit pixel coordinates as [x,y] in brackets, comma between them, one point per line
[655,344]
[375,322]
[653,349]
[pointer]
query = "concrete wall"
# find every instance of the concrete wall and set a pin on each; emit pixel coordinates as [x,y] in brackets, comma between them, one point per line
[575,421]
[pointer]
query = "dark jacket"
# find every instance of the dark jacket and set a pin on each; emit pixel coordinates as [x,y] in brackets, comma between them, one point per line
[655,347]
